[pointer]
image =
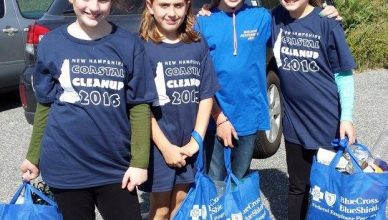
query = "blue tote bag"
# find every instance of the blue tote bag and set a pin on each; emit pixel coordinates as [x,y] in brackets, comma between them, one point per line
[337,195]
[196,204]
[241,199]
[28,210]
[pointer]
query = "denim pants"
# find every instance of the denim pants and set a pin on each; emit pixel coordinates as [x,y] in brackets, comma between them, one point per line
[241,156]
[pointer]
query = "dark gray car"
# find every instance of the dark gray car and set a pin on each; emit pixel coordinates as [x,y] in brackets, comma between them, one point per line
[128,16]
[15,16]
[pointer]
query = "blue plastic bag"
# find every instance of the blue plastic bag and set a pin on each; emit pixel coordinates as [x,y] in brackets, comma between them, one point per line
[241,199]
[196,204]
[337,195]
[28,210]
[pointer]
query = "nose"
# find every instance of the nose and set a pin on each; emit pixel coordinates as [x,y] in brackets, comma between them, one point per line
[94,6]
[171,11]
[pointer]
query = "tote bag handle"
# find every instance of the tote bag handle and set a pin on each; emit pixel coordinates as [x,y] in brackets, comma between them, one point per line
[343,145]
[199,162]
[230,177]
[28,190]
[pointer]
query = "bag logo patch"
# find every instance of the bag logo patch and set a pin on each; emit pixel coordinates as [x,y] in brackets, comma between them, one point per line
[197,212]
[316,193]
[237,216]
[330,198]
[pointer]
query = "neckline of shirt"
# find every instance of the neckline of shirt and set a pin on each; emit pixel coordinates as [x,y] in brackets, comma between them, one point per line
[312,13]
[89,42]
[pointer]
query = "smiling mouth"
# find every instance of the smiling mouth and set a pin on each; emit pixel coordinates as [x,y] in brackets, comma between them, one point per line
[171,22]
[92,16]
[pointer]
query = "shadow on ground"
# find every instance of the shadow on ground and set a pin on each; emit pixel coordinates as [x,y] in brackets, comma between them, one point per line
[274,186]
[9,100]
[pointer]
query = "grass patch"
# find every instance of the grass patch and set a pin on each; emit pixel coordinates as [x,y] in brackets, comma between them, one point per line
[366,27]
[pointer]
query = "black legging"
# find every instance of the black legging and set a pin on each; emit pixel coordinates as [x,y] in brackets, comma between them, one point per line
[112,202]
[299,161]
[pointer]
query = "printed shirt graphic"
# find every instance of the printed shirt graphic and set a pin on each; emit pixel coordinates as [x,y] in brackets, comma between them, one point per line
[90,84]
[308,52]
[242,77]
[184,76]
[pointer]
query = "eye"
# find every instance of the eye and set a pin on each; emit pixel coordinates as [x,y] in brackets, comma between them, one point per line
[164,5]
[180,5]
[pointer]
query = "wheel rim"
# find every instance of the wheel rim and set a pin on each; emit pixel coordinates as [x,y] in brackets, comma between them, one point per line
[274,112]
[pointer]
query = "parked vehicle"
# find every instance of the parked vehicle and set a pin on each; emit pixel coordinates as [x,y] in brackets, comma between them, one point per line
[128,16]
[15,16]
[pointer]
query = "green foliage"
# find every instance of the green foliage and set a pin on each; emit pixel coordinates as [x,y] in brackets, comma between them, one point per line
[366,27]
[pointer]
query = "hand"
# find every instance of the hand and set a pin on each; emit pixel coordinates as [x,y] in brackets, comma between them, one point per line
[205,10]
[174,156]
[133,177]
[190,148]
[330,12]
[226,132]
[29,170]
[347,129]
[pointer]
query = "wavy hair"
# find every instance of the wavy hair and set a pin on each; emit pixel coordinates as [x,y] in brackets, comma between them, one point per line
[186,33]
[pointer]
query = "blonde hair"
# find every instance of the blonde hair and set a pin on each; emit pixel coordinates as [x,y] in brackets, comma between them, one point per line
[186,33]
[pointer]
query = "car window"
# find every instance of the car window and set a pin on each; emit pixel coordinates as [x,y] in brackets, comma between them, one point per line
[33,9]
[1,8]
[127,7]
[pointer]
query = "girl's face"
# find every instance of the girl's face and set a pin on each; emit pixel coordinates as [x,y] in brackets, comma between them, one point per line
[295,6]
[169,15]
[91,13]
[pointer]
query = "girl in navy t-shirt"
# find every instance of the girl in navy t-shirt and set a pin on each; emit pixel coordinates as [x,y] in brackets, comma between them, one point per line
[315,70]
[90,78]
[186,83]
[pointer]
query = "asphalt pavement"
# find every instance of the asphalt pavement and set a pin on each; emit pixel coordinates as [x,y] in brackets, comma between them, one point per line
[370,118]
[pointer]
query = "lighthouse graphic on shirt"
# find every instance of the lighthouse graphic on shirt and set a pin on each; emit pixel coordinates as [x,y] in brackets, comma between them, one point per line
[69,94]
[160,86]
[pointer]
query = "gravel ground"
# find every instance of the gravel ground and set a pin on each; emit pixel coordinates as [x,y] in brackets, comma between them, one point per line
[370,118]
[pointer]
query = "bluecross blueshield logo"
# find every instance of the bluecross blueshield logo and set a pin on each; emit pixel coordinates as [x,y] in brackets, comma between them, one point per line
[318,195]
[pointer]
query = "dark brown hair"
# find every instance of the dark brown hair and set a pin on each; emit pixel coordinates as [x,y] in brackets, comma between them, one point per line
[316,3]
[186,32]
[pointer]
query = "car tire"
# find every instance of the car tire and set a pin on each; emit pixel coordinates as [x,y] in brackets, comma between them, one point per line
[267,142]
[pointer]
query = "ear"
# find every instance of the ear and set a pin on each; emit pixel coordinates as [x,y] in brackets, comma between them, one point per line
[71,1]
[149,7]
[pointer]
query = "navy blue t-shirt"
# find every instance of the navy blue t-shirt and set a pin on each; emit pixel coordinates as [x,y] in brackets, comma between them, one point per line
[90,84]
[308,52]
[184,76]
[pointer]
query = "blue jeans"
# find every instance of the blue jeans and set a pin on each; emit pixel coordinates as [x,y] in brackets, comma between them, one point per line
[241,156]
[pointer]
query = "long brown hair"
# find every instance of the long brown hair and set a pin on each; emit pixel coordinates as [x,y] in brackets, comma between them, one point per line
[186,32]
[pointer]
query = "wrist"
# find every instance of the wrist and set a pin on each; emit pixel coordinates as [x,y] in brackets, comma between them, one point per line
[215,114]
[220,118]
[222,122]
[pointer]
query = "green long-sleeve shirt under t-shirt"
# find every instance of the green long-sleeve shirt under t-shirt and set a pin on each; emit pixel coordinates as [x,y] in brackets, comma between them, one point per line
[139,116]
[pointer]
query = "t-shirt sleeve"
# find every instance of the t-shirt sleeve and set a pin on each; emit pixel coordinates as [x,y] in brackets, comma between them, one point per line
[209,84]
[274,24]
[197,26]
[267,29]
[339,54]
[141,86]
[43,81]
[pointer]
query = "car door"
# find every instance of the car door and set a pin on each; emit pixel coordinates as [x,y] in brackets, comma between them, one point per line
[11,46]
